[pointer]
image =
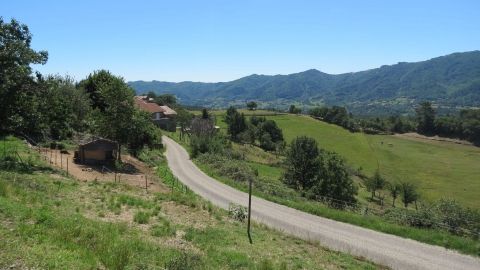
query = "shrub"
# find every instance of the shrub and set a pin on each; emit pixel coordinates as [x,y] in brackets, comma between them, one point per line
[141,217]
[237,212]
[228,166]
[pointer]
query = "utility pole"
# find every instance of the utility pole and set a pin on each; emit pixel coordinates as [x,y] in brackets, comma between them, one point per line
[249,209]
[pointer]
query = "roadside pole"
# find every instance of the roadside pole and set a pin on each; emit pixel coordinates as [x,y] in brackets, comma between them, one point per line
[249,209]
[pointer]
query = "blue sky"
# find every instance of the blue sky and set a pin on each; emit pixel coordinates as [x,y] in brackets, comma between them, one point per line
[225,40]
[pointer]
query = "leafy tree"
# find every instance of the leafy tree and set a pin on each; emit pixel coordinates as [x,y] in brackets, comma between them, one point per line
[294,109]
[408,193]
[301,163]
[252,105]
[377,182]
[425,118]
[236,123]
[333,181]
[18,88]
[270,127]
[256,120]
[266,142]
[151,95]
[231,111]
[166,99]
[66,107]
[394,188]
[113,106]
[142,132]
[205,114]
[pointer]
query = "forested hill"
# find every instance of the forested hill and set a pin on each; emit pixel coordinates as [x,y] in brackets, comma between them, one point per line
[450,81]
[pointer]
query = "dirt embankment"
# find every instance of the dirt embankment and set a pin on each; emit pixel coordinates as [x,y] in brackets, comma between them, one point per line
[139,174]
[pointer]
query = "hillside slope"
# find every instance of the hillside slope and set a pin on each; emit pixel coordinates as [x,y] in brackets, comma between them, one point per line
[451,81]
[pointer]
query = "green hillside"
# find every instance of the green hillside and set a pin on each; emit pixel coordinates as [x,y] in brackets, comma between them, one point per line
[441,169]
[51,221]
[451,81]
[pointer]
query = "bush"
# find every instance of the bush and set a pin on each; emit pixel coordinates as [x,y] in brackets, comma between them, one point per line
[208,144]
[237,212]
[228,166]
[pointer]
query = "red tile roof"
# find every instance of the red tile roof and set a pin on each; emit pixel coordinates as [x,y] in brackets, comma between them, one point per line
[147,106]
[152,107]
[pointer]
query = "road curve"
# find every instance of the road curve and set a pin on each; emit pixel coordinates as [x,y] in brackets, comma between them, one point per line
[384,249]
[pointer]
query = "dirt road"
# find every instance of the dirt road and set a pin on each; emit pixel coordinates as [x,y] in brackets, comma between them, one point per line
[385,249]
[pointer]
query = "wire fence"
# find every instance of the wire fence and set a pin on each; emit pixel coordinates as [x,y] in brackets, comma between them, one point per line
[395,214]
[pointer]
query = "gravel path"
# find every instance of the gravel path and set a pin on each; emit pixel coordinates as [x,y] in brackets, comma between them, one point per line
[384,249]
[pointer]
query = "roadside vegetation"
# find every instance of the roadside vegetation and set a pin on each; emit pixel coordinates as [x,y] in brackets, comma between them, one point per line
[308,177]
[49,220]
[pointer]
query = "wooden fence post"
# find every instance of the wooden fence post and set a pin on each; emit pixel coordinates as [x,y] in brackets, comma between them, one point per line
[249,209]
[51,155]
[61,160]
[146,182]
[67,166]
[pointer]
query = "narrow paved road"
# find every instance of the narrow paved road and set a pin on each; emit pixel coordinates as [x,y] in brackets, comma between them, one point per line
[384,249]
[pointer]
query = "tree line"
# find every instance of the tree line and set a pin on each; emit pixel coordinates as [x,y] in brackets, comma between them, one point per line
[55,108]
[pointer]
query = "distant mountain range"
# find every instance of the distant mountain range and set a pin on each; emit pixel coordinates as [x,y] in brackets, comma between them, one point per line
[450,82]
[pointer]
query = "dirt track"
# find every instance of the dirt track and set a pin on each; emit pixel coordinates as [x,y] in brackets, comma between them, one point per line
[385,249]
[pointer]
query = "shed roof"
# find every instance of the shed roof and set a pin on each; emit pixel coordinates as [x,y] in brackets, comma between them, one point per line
[100,141]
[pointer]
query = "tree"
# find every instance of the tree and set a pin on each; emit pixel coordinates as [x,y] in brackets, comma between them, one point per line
[270,127]
[301,163]
[425,115]
[19,109]
[184,118]
[113,107]
[65,107]
[166,99]
[266,142]
[333,181]
[394,189]
[142,132]
[231,111]
[205,139]
[238,126]
[236,123]
[205,114]
[377,182]
[408,193]
[252,105]
[151,95]
[294,109]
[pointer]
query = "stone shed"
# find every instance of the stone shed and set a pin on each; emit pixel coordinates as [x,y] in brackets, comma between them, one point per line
[98,151]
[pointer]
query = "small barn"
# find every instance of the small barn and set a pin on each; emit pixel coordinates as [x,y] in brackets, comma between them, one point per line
[98,151]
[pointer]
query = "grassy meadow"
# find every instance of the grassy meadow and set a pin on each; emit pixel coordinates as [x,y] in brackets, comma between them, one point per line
[51,221]
[440,169]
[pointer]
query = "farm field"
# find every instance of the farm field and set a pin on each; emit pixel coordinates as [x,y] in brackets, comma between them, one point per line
[440,169]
